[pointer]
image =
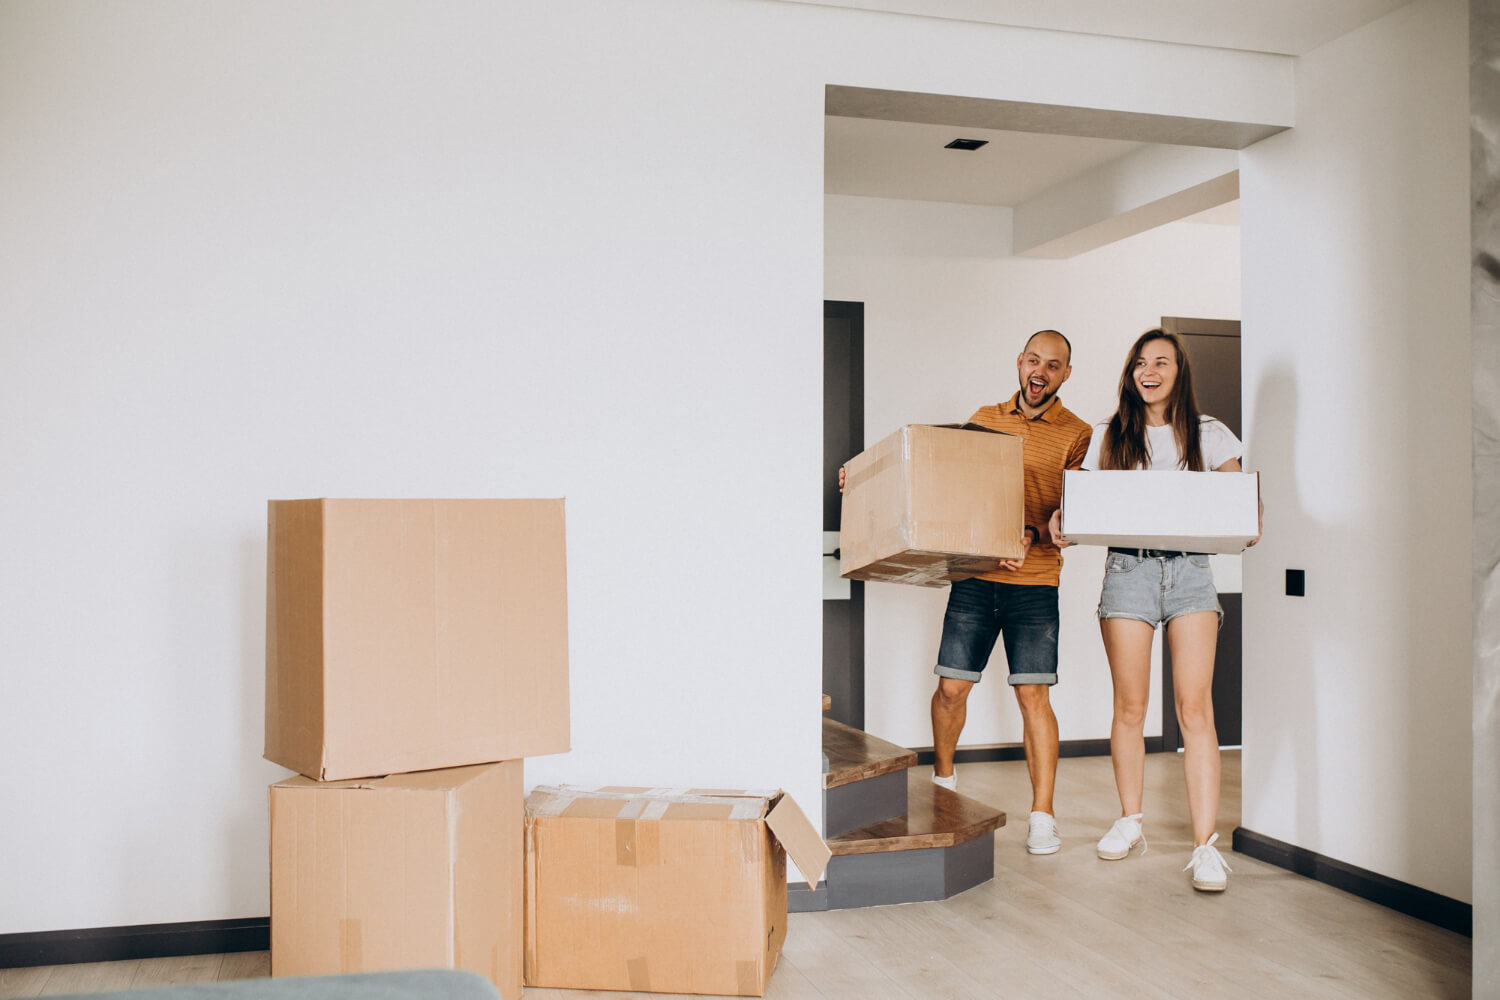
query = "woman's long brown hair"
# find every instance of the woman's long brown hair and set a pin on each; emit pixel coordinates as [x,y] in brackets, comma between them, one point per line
[1125,441]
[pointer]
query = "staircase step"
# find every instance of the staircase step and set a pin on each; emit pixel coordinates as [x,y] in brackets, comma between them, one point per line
[935,817]
[853,755]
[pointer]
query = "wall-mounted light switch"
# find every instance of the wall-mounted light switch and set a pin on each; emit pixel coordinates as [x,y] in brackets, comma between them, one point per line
[1296,583]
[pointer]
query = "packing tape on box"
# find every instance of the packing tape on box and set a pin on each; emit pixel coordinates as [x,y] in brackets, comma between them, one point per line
[625,843]
[747,978]
[639,974]
[867,472]
[351,946]
[553,805]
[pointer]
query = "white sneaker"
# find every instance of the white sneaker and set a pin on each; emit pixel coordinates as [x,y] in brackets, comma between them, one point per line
[1041,834]
[950,782]
[1208,867]
[1123,836]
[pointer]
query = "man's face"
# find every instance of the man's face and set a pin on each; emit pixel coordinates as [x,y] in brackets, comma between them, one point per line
[1043,367]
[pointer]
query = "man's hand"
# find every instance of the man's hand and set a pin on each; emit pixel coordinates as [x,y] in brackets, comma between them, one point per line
[842,476]
[1015,564]
[1054,528]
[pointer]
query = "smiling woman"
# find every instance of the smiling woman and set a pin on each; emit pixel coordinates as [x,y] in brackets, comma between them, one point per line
[1157,426]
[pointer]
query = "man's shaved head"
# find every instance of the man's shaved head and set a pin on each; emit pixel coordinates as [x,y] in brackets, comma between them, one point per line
[1067,344]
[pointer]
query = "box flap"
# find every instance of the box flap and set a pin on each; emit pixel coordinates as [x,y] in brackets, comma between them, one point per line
[971,426]
[791,826]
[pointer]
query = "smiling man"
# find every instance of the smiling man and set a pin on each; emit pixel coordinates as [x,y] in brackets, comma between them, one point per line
[1018,601]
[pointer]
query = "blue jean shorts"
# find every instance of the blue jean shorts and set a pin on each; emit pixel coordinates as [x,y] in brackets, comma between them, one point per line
[1156,587]
[979,611]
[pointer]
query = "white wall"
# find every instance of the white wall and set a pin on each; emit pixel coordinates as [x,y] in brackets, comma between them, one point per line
[388,248]
[1355,240]
[946,312]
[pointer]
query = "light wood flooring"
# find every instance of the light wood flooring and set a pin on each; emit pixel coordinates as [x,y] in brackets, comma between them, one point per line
[1065,926]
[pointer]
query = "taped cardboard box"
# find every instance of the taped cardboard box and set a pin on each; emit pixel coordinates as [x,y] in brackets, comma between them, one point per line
[410,871]
[929,505]
[407,635]
[1212,512]
[662,891]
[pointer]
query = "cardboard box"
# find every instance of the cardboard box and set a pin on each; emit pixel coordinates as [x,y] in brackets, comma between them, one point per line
[1177,511]
[929,505]
[407,635]
[411,871]
[660,891]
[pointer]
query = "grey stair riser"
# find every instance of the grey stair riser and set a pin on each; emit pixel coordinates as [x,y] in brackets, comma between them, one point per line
[909,876]
[860,803]
[801,899]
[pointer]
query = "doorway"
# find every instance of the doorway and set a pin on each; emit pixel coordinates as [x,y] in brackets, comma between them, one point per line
[1214,347]
[843,437]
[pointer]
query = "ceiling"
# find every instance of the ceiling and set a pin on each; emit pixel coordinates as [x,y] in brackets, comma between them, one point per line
[886,159]
[906,160]
[1288,27]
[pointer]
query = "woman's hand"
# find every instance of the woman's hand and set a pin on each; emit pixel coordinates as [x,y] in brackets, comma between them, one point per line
[842,476]
[1054,528]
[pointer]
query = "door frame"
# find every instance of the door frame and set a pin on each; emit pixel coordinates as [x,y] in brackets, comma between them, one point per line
[1231,628]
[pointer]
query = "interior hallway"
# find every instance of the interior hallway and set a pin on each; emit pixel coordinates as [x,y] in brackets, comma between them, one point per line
[1066,926]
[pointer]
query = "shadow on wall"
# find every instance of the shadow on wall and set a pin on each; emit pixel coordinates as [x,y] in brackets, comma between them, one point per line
[1281,742]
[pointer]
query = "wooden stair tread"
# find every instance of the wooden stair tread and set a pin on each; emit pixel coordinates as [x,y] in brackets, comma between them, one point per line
[935,817]
[855,756]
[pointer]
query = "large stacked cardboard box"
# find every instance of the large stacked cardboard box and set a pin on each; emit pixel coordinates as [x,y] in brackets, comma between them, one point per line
[405,635]
[416,650]
[408,871]
[930,505]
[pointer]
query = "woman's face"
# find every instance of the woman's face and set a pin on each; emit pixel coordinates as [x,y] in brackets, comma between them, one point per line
[1155,371]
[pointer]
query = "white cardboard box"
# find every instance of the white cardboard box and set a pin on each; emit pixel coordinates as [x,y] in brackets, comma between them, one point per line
[1215,512]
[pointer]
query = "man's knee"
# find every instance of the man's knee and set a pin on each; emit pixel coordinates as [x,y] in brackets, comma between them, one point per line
[1033,697]
[952,692]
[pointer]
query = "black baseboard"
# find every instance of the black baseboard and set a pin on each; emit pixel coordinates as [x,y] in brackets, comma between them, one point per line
[114,944]
[1403,897]
[1014,751]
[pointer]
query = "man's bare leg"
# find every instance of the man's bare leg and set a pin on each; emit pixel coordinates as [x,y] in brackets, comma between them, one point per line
[950,707]
[1039,736]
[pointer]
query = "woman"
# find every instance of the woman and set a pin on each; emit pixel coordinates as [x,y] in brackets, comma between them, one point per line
[1158,426]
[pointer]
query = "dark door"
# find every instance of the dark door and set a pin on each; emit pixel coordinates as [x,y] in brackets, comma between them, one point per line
[1213,346]
[843,438]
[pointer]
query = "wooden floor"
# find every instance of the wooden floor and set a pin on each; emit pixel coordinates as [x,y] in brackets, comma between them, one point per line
[1066,926]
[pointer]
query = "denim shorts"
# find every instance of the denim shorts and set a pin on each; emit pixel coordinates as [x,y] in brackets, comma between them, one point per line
[1156,589]
[979,611]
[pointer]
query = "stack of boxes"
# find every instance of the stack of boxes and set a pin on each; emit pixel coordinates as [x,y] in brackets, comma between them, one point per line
[416,651]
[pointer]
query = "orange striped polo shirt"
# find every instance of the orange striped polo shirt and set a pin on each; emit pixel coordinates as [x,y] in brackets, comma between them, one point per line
[1055,440]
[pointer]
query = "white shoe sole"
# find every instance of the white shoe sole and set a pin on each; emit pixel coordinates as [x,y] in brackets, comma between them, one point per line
[1210,886]
[1047,849]
[1118,855]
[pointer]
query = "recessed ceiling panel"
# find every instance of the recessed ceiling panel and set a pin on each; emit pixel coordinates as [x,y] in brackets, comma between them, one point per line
[883,159]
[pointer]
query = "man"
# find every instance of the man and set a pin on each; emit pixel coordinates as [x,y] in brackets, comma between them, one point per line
[1019,600]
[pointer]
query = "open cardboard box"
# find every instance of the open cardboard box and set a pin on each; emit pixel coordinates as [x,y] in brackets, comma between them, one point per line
[1213,512]
[928,505]
[659,890]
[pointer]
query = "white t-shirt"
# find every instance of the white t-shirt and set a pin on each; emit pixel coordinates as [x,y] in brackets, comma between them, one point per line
[1217,442]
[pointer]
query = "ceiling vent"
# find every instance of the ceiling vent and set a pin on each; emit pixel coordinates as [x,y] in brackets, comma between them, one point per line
[970,144]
